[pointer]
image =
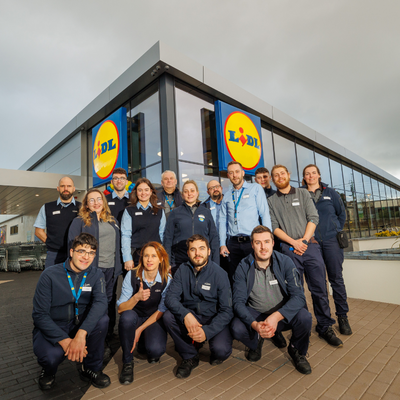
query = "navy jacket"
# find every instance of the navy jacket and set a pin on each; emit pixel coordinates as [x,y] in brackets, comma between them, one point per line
[177,197]
[332,214]
[54,304]
[207,294]
[182,224]
[78,226]
[288,278]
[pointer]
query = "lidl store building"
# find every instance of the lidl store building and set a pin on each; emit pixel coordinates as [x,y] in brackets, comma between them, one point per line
[167,112]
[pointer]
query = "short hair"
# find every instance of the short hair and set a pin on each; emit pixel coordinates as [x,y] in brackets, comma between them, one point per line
[84,239]
[166,171]
[278,166]
[121,171]
[261,229]
[195,237]
[261,170]
[233,163]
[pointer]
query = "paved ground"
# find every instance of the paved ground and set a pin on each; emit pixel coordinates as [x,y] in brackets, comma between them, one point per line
[367,367]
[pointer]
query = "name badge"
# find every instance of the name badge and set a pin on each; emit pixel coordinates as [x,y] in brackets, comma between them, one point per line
[111,203]
[201,217]
[327,198]
[246,196]
[295,203]
[274,282]
[87,289]
[206,286]
[75,211]
[212,208]
[56,212]
[138,213]
[159,203]
[158,290]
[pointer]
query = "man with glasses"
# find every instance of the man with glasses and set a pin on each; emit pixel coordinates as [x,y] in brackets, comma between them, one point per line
[54,219]
[70,315]
[169,197]
[263,178]
[118,199]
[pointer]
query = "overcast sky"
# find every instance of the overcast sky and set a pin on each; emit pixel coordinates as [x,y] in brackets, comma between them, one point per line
[333,65]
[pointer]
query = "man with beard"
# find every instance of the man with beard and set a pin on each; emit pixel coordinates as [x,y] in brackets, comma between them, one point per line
[199,305]
[263,178]
[118,199]
[169,197]
[53,221]
[294,219]
[243,207]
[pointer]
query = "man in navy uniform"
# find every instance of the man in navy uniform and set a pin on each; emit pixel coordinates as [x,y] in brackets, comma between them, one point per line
[118,199]
[64,327]
[169,197]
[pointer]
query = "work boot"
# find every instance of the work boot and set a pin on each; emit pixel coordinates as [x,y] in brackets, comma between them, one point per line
[278,340]
[331,338]
[344,326]
[300,361]
[255,355]
[97,378]
[46,381]
[126,377]
[185,369]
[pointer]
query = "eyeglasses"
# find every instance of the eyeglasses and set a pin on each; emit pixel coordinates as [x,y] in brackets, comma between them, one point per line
[214,187]
[119,179]
[98,200]
[82,252]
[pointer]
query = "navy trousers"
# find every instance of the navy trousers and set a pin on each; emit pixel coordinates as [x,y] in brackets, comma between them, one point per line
[154,337]
[237,251]
[312,266]
[300,326]
[109,278]
[51,356]
[333,256]
[220,344]
[54,257]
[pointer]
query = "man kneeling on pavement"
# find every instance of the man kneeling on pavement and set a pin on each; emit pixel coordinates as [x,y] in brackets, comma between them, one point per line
[70,315]
[268,298]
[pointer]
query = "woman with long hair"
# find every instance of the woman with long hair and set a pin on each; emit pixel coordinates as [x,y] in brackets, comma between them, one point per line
[94,217]
[332,216]
[142,222]
[186,220]
[141,306]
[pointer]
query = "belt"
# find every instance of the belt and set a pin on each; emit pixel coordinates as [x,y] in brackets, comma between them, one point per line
[240,239]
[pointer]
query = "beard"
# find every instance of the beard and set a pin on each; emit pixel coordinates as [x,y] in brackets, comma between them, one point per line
[282,185]
[65,195]
[216,197]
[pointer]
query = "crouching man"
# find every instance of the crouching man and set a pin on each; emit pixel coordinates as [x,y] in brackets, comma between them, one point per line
[70,315]
[267,299]
[199,306]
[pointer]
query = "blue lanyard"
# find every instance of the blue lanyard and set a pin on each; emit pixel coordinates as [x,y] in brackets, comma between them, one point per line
[236,205]
[170,203]
[76,296]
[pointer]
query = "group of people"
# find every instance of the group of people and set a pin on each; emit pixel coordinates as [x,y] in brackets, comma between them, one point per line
[230,267]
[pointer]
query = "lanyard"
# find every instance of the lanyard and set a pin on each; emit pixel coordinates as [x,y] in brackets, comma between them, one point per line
[170,203]
[76,296]
[236,205]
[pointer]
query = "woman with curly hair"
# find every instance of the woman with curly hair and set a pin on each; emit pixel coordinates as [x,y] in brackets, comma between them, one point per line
[141,307]
[142,222]
[95,218]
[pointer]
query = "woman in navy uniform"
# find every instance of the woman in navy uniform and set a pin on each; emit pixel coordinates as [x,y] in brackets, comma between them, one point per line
[141,306]
[142,222]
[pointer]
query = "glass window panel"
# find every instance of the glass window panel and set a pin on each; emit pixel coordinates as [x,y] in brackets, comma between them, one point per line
[348,179]
[153,174]
[268,149]
[200,174]
[375,190]
[382,190]
[144,141]
[337,177]
[367,186]
[352,216]
[358,182]
[190,121]
[285,155]
[363,213]
[305,156]
[322,163]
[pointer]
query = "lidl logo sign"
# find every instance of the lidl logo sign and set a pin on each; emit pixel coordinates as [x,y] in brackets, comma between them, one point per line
[239,138]
[109,140]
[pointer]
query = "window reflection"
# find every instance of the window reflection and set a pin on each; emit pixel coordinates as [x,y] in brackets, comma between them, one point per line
[153,174]
[305,156]
[337,177]
[268,149]
[322,163]
[285,155]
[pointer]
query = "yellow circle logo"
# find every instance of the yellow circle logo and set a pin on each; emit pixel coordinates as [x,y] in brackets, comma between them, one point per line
[242,140]
[106,149]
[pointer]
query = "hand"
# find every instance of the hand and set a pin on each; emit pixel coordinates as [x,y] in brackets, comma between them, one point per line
[128,265]
[65,344]
[269,325]
[191,323]
[77,350]
[142,295]
[198,336]
[136,340]
[299,247]
[223,250]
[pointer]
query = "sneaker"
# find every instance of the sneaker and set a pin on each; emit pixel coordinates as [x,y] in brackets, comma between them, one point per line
[126,377]
[46,381]
[185,369]
[300,361]
[331,338]
[255,355]
[278,340]
[97,378]
[214,360]
[344,326]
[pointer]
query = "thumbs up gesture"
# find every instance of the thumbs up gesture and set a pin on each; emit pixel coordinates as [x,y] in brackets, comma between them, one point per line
[142,294]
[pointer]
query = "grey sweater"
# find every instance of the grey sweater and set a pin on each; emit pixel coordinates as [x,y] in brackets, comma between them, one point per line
[291,212]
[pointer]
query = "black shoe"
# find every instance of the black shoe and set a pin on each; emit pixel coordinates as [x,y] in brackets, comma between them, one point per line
[255,355]
[185,369]
[46,381]
[126,377]
[331,338]
[300,362]
[344,326]
[153,360]
[107,355]
[215,361]
[278,340]
[97,378]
